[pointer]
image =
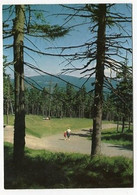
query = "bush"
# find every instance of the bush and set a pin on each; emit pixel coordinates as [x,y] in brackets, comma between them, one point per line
[45,170]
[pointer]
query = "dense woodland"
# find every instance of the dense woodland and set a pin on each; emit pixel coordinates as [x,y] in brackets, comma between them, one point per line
[70,102]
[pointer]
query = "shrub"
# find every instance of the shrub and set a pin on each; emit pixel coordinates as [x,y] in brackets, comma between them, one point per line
[45,170]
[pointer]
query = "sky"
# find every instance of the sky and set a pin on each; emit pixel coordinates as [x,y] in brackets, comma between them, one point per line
[51,64]
[76,36]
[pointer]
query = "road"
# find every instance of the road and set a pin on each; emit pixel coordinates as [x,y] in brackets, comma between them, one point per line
[78,143]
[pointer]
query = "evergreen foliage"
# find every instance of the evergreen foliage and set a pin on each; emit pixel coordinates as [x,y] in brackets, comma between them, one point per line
[122,99]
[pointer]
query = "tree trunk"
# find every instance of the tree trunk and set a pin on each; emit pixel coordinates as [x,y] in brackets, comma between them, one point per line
[19,125]
[117,124]
[97,119]
[7,102]
[129,123]
[123,124]
[123,119]
[7,111]
[11,106]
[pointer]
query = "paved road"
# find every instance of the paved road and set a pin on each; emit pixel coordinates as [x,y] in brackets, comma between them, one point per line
[78,143]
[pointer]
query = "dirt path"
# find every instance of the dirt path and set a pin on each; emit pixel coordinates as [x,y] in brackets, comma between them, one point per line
[78,143]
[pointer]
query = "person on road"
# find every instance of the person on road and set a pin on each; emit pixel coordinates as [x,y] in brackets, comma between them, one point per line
[68,133]
[65,135]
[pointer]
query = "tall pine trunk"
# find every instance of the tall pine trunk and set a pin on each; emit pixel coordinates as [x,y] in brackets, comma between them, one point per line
[19,124]
[123,118]
[97,119]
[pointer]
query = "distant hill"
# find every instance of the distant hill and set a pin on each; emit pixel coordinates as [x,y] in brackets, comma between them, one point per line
[47,81]
[50,81]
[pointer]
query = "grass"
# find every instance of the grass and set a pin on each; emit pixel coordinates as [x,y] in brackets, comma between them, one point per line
[46,170]
[35,125]
[38,127]
[11,119]
[124,139]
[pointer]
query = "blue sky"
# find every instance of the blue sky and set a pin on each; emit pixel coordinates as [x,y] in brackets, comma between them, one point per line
[76,36]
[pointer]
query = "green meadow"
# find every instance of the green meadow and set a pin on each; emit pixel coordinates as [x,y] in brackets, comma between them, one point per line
[36,126]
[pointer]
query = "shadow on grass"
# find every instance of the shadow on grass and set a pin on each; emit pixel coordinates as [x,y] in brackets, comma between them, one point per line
[127,147]
[46,170]
[117,136]
[123,139]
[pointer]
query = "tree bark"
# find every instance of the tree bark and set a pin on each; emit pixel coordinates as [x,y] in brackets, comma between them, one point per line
[97,119]
[123,119]
[7,111]
[117,124]
[123,124]
[19,124]
[129,123]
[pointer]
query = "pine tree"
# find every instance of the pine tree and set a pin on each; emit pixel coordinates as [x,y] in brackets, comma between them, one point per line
[106,48]
[98,100]
[123,98]
[69,100]
[23,24]
[19,124]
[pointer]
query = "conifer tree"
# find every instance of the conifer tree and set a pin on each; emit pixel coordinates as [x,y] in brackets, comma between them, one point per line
[23,24]
[105,50]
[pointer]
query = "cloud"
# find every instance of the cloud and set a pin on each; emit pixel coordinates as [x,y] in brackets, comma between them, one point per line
[110,73]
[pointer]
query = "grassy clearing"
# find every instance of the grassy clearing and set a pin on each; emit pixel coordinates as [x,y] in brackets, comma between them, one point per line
[38,127]
[35,125]
[124,139]
[117,138]
[46,170]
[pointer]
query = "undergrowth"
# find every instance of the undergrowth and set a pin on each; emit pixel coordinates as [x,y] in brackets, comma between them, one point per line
[45,170]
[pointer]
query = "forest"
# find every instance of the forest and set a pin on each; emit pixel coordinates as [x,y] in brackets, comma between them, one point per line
[56,101]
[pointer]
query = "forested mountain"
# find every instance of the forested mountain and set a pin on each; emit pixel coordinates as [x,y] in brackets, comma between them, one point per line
[46,81]
[50,81]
